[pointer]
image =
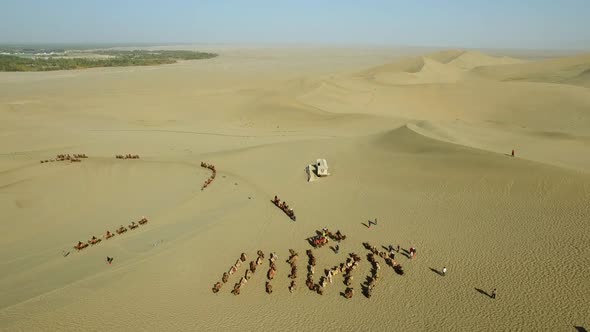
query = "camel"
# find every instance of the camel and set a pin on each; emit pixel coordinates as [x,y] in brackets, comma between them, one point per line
[80,245]
[217,287]
[273,266]
[268,287]
[143,221]
[243,257]
[133,225]
[309,284]
[225,277]
[273,257]
[108,235]
[243,281]
[292,286]
[94,240]
[349,292]
[320,291]
[323,282]
[260,253]
[248,274]
[259,260]
[292,259]
[121,230]
[293,274]
[348,280]
[252,266]
[236,290]
[232,270]
[271,274]
[238,263]
[310,269]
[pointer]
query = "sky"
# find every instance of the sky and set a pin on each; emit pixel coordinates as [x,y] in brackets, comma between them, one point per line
[541,24]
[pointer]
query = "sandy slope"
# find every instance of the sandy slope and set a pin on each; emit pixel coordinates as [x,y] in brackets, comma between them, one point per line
[418,143]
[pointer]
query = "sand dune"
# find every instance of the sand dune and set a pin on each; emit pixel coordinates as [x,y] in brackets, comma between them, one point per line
[420,143]
[569,70]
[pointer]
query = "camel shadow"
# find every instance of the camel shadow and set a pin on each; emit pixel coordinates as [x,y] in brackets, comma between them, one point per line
[438,272]
[406,253]
[580,329]
[343,295]
[483,292]
[365,291]
[334,249]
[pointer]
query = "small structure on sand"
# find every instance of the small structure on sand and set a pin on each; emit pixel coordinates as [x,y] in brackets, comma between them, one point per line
[319,169]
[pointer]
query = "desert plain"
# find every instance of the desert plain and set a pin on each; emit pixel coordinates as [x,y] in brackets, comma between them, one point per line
[419,139]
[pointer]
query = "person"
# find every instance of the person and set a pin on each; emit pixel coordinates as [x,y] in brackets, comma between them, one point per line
[513,153]
[444,270]
[398,248]
[494,293]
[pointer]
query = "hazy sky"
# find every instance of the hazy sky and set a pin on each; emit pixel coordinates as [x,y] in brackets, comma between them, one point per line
[460,23]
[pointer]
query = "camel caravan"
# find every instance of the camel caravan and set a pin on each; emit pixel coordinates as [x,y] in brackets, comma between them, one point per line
[313,282]
[285,207]
[322,238]
[122,229]
[127,156]
[75,158]
[388,257]
[212,177]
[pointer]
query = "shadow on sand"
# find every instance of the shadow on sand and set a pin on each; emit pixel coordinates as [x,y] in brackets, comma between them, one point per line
[440,274]
[482,292]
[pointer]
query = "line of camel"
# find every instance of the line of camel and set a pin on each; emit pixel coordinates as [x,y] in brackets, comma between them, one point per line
[212,177]
[76,157]
[95,240]
[284,207]
[127,156]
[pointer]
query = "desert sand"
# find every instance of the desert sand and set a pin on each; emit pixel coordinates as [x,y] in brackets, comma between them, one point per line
[419,139]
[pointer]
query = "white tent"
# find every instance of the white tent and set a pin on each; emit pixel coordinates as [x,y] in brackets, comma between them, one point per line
[319,169]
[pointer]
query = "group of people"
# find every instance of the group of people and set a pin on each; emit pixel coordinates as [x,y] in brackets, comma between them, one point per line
[95,240]
[322,238]
[285,207]
[127,156]
[212,177]
[76,157]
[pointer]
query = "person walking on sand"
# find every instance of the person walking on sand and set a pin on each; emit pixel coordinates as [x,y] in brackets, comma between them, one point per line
[493,293]
[512,153]
[444,271]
